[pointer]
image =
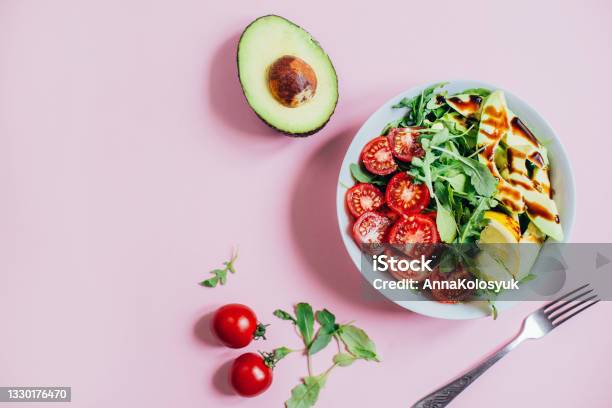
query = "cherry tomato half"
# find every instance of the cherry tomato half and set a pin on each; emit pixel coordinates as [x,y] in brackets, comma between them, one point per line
[400,274]
[390,214]
[414,236]
[249,375]
[405,143]
[404,196]
[370,229]
[415,229]
[363,197]
[451,295]
[236,325]
[377,157]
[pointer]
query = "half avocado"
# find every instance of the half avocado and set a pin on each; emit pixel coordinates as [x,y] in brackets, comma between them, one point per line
[286,77]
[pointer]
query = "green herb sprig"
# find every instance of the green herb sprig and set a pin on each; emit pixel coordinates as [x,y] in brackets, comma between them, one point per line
[220,274]
[357,346]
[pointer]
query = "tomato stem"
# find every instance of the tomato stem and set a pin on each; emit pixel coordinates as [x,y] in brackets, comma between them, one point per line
[260,331]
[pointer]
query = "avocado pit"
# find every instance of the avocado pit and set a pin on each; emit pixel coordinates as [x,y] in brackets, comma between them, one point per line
[292,81]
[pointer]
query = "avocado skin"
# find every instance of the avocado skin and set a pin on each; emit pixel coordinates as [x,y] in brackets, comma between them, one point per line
[305,134]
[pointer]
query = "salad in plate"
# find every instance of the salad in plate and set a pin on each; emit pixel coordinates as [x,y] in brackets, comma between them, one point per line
[454,171]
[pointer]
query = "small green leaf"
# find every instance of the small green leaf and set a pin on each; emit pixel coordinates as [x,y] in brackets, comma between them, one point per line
[281,352]
[363,176]
[306,394]
[211,282]
[447,227]
[221,275]
[475,224]
[305,321]
[457,182]
[527,278]
[441,137]
[357,342]
[328,328]
[344,359]
[483,181]
[281,314]
[322,339]
[326,319]
[493,310]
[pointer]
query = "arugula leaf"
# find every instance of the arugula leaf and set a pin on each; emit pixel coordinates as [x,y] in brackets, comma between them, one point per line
[476,223]
[281,314]
[483,181]
[476,91]
[445,222]
[344,359]
[417,106]
[441,137]
[393,124]
[306,394]
[363,176]
[357,342]
[305,322]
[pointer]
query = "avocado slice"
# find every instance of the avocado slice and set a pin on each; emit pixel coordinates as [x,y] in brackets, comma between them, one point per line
[286,77]
[466,104]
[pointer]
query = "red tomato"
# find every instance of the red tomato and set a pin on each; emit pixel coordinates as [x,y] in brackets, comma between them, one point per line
[430,214]
[451,295]
[405,144]
[363,197]
[370,228]
[249,375]
[377,157]
[389,213]
[236,325]
[416,229]
[414,236]
[404,196]
[404,274]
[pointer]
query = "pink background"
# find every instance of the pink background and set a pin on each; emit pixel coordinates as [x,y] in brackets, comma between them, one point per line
[130,165]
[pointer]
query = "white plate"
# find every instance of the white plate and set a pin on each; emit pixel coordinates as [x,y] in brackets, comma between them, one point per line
[561,177]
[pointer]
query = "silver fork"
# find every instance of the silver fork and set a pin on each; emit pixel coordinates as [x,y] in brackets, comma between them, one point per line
[536,325]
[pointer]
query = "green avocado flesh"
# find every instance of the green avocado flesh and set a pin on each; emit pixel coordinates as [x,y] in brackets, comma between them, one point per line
[262,43]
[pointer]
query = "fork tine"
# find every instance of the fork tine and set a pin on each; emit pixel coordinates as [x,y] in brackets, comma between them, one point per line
[546,306]
[569,309]
[566,318]
[549,312]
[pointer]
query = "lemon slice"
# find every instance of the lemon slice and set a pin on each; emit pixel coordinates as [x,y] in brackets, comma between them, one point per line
[502,229]
[500,258]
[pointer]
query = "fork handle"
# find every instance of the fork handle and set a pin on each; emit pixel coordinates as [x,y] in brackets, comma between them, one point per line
[444,395]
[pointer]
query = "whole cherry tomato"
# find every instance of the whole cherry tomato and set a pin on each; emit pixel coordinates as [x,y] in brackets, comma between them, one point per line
[250,375]
[236,325]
